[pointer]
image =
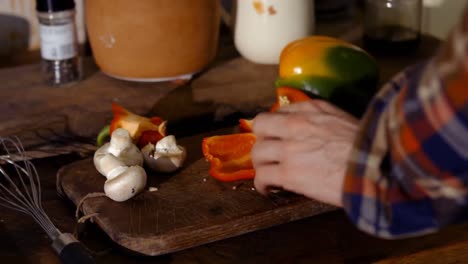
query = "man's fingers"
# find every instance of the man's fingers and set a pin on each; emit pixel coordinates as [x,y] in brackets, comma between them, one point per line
[266,124]
[331,109]
[267,177]
[315,106]
[308,106]
[267,151]
[279,125]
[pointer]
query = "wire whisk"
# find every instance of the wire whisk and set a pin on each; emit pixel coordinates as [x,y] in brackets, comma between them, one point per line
[22,193]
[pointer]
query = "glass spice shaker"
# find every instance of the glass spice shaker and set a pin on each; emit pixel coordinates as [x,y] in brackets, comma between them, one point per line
[61,63]
[392,26]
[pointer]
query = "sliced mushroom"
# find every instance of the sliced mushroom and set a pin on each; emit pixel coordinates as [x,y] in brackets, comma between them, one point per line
[165,156]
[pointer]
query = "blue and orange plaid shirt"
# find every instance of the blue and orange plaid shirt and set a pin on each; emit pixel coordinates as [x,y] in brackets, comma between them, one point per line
[408,171]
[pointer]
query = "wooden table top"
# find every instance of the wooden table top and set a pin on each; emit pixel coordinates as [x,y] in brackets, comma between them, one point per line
[326,238]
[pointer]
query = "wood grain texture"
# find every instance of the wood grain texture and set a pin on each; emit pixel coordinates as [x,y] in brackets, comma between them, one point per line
[451,253]
[190,208]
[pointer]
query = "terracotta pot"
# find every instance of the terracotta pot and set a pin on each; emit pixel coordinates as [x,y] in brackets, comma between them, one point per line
[153,40]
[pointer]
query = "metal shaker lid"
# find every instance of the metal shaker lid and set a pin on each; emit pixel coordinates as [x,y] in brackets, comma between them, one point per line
[54,5]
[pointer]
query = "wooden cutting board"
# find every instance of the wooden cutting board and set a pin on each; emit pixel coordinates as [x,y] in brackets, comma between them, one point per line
[189,208]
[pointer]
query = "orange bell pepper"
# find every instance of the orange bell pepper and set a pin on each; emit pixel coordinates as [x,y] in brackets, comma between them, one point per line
[142,130]
[229,156]
[134,124]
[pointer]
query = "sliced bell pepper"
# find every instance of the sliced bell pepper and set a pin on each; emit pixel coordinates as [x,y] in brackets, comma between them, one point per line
[152,128]
[149,136]
[134,124]
[229,156]
[287,95]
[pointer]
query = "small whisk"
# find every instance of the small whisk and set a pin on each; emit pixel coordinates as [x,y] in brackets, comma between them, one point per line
[23,193]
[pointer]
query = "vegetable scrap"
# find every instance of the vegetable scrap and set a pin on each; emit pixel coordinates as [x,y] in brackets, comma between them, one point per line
[153,189]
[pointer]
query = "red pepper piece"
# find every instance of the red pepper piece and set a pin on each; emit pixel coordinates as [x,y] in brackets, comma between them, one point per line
[156,120]
[149,136]
[229,156]
[287,95]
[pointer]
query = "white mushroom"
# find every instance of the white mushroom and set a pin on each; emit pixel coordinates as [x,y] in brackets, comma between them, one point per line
[120,161]
[166,156]
[122,148]
[126,185]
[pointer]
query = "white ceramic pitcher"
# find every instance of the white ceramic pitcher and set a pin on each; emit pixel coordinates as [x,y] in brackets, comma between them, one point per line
[262,28]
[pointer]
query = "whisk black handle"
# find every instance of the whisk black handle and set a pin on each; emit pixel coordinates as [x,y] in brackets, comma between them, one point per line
[71,251]
[75,253]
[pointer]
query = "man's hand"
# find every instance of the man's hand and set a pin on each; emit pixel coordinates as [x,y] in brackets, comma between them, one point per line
[303,148]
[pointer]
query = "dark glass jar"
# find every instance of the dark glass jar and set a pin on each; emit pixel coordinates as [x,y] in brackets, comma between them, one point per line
[392,26]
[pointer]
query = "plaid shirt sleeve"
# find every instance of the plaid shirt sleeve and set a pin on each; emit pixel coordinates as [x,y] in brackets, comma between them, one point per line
[408,171]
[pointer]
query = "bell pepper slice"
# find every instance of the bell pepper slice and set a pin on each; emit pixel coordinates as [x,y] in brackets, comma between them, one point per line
[102,136]
[229,156]
[136,125]
[287,95]
[156,120]
[149,136]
